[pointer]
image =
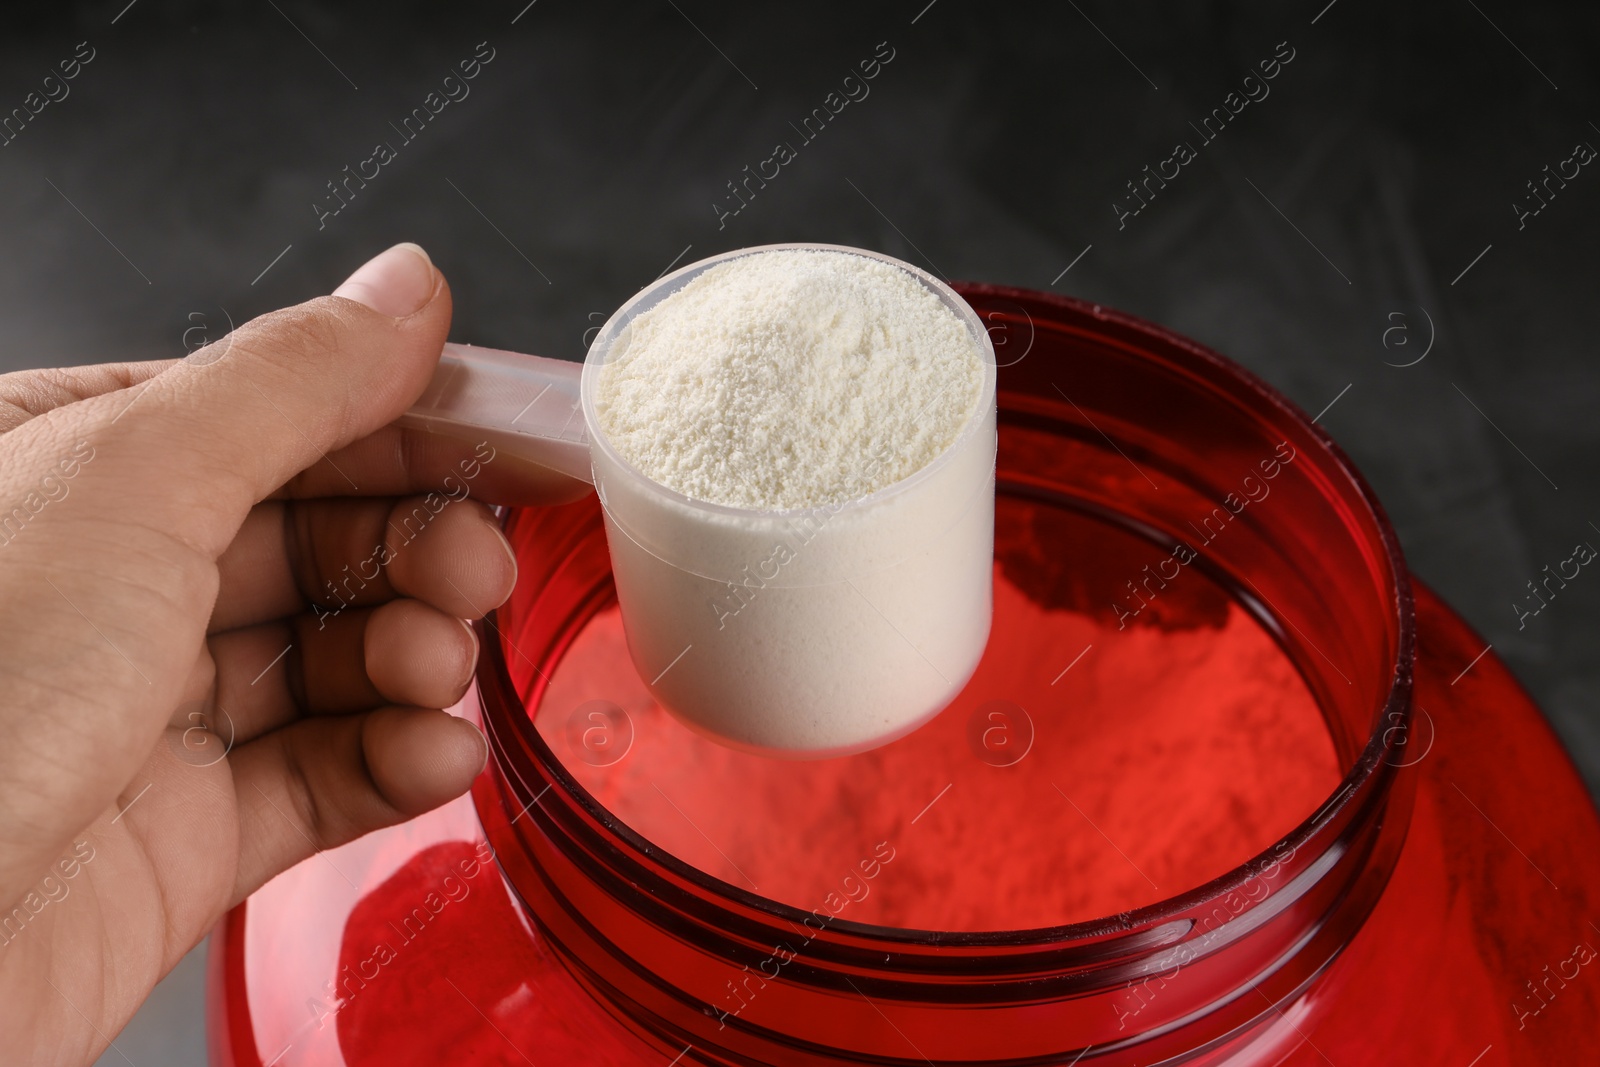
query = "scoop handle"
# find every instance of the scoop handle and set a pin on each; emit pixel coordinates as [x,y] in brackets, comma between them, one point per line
[527,405]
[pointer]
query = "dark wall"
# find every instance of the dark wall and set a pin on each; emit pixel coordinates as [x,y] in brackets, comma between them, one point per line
[593,149]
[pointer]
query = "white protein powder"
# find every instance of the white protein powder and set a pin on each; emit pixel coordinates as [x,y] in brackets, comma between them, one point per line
[776,609]
[789,379]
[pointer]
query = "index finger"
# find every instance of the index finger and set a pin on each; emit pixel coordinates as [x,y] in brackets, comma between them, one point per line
[398,461]
[27,394]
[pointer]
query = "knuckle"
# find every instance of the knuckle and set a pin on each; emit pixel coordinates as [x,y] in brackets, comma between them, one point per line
[316,326]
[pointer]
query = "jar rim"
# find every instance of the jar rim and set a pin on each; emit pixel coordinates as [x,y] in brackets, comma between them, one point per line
[1363,785]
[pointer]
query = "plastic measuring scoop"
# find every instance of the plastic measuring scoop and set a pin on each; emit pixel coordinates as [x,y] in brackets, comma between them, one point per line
[528,406]
[802,632]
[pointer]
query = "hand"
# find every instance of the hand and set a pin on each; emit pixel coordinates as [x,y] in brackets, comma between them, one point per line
[227,552]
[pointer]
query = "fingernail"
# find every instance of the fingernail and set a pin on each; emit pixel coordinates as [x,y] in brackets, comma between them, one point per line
[505,543]
[483,743]
[473,634]
[398,282]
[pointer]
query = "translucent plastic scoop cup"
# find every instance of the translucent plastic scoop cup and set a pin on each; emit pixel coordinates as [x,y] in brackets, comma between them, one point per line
[800,633]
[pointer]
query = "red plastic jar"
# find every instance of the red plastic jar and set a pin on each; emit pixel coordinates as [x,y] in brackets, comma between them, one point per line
[1226,788]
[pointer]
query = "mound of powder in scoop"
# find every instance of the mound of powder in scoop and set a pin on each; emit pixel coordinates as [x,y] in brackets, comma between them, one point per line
[788,379]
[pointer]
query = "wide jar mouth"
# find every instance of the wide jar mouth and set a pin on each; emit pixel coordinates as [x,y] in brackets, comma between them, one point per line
[1320,570]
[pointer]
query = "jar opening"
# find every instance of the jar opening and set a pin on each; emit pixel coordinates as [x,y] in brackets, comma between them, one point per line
[1068,781]
[1176,754]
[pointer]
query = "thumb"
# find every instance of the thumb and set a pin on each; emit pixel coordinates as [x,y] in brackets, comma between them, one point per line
[242,416]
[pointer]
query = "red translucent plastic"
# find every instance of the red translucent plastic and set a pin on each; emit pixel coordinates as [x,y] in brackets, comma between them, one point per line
[1227,805]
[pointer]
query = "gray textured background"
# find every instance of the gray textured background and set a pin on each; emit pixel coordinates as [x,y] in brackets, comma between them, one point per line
[590,151]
